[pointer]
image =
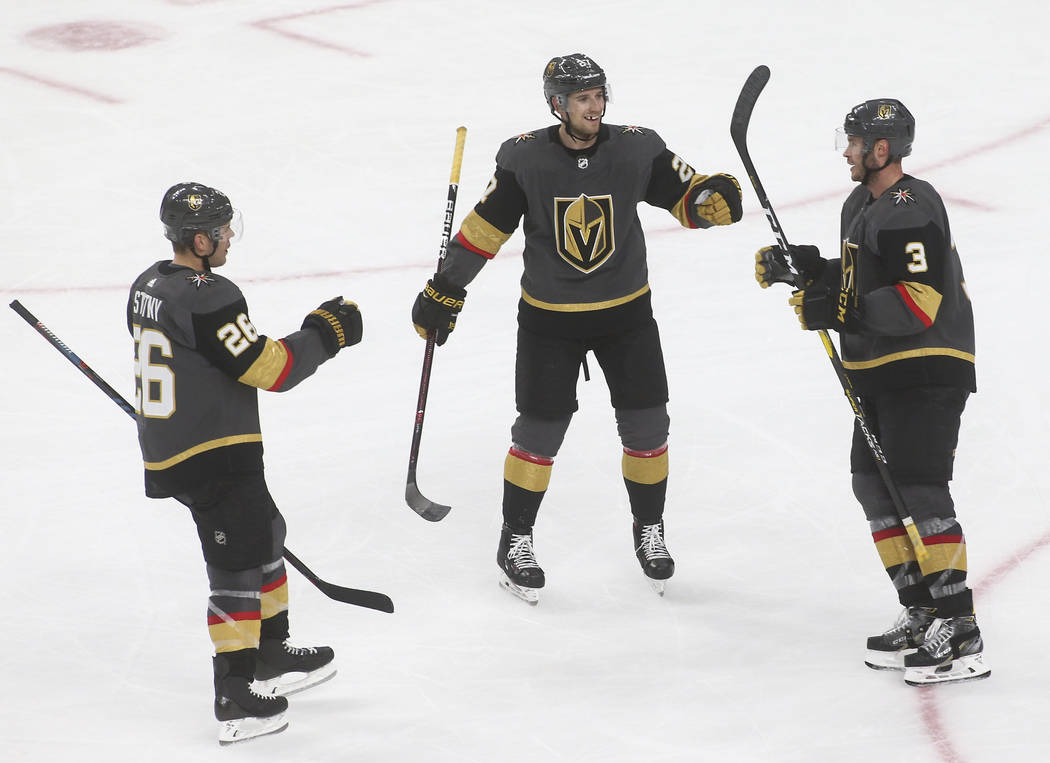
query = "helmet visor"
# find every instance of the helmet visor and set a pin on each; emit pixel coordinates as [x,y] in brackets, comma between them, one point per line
[236,225]
[841,140]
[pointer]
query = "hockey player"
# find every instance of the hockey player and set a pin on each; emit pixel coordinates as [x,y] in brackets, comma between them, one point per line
[199,365]
[898,300]
[585,288]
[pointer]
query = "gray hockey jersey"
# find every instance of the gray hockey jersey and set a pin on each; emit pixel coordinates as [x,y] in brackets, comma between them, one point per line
[585,251]
[199,363]
[902,275]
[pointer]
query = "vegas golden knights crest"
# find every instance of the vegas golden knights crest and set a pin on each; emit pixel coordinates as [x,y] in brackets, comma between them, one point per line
[583,230]
[848,286]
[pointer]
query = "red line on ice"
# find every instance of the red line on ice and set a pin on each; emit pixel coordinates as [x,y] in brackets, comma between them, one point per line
[272,25]
[929,708]
[64,86]
[1038,126]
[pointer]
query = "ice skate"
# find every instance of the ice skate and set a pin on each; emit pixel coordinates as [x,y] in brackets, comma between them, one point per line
[952,652]
[519,572]
[282,669]
[242,713]
[652,554]
[888,650]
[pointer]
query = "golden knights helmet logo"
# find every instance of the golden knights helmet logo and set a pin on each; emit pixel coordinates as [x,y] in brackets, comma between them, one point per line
[583,230]
[886,111]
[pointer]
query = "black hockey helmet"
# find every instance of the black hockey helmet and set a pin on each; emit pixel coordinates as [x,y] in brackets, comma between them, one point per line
[570,74]
[882,118]
[190,208]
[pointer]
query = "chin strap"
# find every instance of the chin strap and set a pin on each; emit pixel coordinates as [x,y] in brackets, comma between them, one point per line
[570,133]
[868,171]
[205,258]
[565,123]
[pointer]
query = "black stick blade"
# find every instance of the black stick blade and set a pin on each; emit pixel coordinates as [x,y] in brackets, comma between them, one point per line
[423,506]
[745,104]
[357,597]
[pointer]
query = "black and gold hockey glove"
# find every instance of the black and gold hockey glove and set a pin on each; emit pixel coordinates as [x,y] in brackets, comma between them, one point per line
[771,264]
[716,200]
[771,267]
[339,323]
[436,308]
[823,308]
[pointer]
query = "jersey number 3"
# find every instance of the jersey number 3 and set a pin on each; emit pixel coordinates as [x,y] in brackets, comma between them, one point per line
[918,257]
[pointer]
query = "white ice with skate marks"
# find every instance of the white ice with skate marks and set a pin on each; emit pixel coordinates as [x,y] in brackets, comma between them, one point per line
[319,123]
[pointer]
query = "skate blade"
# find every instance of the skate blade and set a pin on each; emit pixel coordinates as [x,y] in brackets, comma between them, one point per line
[877,660]
[658,585]
[243,729]
[292,683]
[967,668]
[528,595]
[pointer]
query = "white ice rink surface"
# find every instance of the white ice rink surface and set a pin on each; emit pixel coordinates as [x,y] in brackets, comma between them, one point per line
[332,128]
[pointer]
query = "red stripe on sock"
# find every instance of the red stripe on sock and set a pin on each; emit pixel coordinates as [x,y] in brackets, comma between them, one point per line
[532,458]
[646,453]
[275,584]
[893,532]
[216,619]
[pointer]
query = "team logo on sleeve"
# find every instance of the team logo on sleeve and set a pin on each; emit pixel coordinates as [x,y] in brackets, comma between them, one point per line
[525,136]
[632,129]
[200,279]
[583,230]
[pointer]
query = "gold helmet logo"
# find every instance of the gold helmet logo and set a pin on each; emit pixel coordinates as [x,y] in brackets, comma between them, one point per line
[550,67]
[886,111]
[195,201]
[584,230]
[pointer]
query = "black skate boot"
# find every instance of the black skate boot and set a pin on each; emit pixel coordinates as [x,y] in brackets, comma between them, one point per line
[243,714]
[952,652]
[282,669]
[519,572]
[888,650]
[652,554]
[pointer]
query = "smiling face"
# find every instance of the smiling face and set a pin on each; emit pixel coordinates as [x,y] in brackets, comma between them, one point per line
[861,163]
[583,113]
[855,157]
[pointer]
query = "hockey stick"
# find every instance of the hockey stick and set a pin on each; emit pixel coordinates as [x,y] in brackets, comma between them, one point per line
[745,104]
[369,599]
[419,503]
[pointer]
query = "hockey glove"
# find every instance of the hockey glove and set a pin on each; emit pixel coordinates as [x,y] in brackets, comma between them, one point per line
[716,200]
[771,264]
[771,267]
[823,308]
[339,323]
[436,308]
